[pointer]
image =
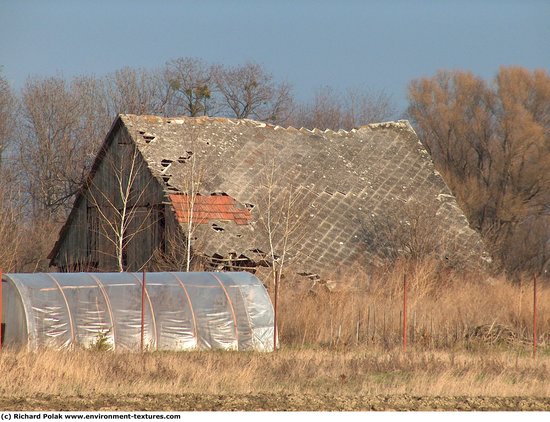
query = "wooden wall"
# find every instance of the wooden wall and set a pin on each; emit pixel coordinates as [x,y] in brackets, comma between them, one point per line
[88,241]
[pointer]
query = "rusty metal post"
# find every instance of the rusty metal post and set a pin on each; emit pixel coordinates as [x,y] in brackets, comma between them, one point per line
[534,317]
[1,309]
[275,315]
[142,311]
[405,313]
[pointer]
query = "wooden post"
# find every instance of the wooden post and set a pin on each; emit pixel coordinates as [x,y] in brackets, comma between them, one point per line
[405,313]
[534,317]
[143,311]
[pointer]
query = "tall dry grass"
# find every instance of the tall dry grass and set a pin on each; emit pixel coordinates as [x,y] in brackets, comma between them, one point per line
[444,309]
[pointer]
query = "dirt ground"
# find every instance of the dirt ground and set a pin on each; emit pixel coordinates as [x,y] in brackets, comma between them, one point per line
[260,402]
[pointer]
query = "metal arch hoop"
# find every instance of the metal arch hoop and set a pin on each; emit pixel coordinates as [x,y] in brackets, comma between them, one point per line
[195,329]
[109,307]
[71,324]
[230,305]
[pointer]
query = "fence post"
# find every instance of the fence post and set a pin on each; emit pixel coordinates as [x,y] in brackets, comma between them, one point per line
[1,310]
[368,324]
[143,311]
[275,312]
[404,313]
[374,326]
[534,316]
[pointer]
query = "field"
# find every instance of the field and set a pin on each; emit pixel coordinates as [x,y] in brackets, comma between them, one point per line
[469,348]
[357,379]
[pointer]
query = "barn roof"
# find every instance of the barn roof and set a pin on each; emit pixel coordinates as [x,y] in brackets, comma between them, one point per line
[337,181]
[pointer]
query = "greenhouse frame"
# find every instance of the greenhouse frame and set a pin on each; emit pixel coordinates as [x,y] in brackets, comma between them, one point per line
[137,311]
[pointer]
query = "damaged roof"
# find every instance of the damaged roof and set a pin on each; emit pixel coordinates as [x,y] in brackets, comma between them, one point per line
[201,209]
[339,180]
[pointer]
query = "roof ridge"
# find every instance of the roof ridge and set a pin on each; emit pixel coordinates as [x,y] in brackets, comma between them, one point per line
[391,124]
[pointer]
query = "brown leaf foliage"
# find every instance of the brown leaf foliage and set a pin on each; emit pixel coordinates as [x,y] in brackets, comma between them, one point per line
[491,141]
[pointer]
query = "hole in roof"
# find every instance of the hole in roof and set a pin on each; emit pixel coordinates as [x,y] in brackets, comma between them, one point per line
[239,235]
[311,276]
[219,194]
[148,138]
[165,162]
[182,159]
[249,206]
[217,228]
[166,178]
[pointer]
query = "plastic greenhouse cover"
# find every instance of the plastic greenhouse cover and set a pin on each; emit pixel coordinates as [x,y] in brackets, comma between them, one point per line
[182,311]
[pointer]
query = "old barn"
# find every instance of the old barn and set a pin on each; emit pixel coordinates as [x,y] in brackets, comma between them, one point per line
[228,194]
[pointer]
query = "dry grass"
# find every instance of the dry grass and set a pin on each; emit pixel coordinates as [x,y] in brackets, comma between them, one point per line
[445,310]
[358,371]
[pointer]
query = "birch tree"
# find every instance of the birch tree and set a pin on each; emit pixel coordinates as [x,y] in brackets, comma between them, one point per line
[281,220]
[123,213]
[181,246]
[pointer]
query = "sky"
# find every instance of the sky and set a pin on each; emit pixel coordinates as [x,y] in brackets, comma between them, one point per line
[346,44]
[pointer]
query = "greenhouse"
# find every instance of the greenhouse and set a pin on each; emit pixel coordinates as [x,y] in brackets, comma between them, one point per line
[134,311]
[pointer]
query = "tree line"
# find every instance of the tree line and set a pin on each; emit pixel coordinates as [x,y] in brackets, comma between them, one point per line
[489,139]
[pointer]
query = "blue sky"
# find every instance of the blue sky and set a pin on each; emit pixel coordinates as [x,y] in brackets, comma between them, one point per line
[376,45]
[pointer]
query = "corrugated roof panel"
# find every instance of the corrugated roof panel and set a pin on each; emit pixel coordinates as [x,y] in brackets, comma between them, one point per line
[207,208]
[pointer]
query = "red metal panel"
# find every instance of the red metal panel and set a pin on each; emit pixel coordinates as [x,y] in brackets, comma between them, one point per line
[207,208]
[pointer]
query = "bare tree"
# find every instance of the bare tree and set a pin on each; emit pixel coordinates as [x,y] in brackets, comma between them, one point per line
[333,110]
[125,212]
[48,149]
[190,86]
[135,91]
[193,180]
[11,218]
[362,107]
[181,250]
[248,91]
[281,220]
[7,115]
[324,112]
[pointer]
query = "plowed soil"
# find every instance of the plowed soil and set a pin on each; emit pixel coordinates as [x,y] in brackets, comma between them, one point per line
[259,402]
